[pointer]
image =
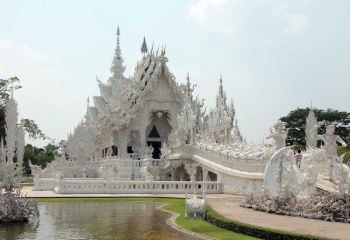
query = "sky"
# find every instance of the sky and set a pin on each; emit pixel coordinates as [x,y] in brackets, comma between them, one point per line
[274,56]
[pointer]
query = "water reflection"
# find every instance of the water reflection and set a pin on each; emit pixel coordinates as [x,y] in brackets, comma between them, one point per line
[95,221]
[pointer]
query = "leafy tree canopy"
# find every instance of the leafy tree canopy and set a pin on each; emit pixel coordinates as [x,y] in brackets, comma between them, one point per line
[39,156]
[32,129]
[6,86]
[295,124]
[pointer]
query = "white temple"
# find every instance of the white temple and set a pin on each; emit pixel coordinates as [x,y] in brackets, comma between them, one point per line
[148,134]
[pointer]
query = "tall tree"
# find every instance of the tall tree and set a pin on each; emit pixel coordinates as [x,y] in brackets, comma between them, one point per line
[296,119]
[39,156]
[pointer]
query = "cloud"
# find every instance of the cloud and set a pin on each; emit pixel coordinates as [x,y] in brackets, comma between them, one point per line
[18,59]
[246,20]
[297,24]
[214,15]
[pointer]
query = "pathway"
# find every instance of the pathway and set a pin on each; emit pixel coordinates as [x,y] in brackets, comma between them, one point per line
[228,206]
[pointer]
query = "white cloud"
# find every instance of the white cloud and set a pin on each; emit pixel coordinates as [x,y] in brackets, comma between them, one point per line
[247,20]
[18,59]
[215,15]
[297,23]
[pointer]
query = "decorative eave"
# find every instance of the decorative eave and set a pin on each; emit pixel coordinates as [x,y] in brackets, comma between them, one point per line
[100,104]
[106,91]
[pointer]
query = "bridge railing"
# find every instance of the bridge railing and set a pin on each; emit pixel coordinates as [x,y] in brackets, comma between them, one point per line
[242,164]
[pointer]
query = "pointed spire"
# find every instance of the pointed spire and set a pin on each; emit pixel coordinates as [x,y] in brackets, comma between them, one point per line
[88,102]
[144,46]
[117,68]
[188,85]
[221,89]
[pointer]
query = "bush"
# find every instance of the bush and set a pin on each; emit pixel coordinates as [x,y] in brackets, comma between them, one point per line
[346,151]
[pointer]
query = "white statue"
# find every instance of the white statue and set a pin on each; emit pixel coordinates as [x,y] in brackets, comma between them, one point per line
[311,130]
[149,151]
[278,134]
[330,141]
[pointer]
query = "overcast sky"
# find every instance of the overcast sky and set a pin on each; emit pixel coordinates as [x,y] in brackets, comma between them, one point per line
[274,56]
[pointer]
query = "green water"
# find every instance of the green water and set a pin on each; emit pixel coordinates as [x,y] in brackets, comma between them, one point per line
[95,221]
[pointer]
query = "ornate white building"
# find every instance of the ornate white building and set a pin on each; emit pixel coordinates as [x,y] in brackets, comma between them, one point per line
[149,129]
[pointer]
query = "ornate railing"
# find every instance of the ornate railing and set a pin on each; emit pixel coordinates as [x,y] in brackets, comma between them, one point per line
[243,164]
[110,186]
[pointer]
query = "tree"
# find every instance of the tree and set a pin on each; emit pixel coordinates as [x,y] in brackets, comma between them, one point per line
[39,156]
[7,86]
[296,119]
[32,129]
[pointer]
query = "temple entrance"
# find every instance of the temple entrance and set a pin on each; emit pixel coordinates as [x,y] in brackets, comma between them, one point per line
[155,141]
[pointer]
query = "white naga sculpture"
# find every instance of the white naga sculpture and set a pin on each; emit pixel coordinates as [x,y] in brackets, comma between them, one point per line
[282,175]
[278,134]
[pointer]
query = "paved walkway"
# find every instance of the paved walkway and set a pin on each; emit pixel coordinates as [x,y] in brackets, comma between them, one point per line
[228,206]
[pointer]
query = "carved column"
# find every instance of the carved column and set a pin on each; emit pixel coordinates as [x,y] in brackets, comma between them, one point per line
[123,143]
[143,142]
[173,171]
[205,174]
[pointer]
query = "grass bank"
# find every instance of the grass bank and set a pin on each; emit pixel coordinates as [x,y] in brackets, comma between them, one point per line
[175,205]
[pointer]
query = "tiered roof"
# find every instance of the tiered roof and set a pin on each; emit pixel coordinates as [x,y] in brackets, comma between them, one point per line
[119,107]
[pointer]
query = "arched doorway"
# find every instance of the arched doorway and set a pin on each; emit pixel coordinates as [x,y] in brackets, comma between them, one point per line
[158,130]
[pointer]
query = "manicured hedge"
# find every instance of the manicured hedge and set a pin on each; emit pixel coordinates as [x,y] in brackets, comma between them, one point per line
[251,230]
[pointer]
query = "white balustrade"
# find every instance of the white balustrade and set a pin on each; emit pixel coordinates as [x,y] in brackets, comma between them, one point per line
[110,186]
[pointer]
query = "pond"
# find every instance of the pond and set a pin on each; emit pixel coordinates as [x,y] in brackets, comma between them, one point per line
[95,221]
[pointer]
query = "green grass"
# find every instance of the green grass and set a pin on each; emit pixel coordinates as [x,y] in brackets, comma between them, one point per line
[27,184]
[174,205]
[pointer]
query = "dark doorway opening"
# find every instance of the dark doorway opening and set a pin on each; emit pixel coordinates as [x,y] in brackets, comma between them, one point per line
[156,146]
[154,141]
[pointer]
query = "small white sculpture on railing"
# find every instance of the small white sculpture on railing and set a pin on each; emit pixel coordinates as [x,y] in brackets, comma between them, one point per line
[195,207]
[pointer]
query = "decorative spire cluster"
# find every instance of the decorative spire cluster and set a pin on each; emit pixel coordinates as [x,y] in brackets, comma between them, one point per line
[117,68]
[221,119]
